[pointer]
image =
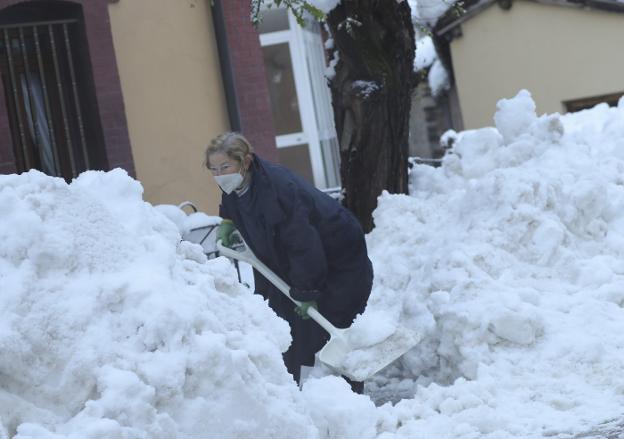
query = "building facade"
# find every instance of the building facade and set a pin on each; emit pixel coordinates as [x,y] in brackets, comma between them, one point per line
[145,84]
[566,53]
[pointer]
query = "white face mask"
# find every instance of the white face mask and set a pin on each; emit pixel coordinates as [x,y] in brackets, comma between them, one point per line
[229,182]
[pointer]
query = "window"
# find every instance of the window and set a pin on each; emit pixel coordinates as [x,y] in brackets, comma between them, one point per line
[281,82]
[585,103]
[274,20]
[300,99]
[48,89]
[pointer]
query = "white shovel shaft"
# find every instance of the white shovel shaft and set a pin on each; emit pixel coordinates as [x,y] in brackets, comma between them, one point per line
[246,255]
[356,362]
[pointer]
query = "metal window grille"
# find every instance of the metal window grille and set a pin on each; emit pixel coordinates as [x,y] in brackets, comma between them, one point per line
[44,96]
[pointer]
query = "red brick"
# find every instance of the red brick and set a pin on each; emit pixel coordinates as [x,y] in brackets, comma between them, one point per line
[249,78]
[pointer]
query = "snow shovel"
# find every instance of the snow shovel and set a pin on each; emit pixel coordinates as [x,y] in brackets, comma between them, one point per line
[341,353]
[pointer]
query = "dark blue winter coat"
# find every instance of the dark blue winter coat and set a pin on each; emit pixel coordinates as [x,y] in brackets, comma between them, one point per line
[309,240]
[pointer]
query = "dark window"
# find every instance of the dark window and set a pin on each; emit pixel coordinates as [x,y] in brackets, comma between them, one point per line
[48,88]
[297,159]
[584,103]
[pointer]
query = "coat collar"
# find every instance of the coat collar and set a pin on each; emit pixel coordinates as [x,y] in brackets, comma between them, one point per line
[263,191]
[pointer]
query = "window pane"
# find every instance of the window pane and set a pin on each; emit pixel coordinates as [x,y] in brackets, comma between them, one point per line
[273,20]
[297,159]
[280,78]
[45,69]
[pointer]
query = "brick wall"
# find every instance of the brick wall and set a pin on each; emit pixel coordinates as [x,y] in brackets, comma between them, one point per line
[7,158]
[249,77]
[107,85]
[108,93]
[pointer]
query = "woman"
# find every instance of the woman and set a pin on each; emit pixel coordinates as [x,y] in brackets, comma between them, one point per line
[303,235]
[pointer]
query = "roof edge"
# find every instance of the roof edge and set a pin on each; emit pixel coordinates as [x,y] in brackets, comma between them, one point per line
[448,23]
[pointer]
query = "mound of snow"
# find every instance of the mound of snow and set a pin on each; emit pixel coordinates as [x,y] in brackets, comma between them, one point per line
[111,326]
[510,259]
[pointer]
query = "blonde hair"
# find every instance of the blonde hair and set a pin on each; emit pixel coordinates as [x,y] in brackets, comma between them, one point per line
[234,145]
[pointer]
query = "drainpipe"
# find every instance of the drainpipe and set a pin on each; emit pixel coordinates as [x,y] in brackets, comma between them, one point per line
[227,74]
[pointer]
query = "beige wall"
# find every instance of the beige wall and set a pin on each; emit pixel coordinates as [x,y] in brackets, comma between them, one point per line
[557,53]
[169,69]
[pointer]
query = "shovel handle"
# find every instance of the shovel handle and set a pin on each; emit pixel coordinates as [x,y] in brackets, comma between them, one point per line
[246,255]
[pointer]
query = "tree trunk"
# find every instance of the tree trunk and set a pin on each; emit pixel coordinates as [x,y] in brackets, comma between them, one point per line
[371,95]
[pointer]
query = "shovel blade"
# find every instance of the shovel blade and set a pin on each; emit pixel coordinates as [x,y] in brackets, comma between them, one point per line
[360,363]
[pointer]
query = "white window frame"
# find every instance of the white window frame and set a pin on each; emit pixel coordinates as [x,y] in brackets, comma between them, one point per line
[294,37]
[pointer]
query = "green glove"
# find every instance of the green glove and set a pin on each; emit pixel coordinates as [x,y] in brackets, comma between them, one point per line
[302,310]
[225,233]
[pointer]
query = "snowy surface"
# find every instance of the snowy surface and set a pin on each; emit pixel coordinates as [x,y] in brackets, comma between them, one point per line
[508,260]
[425,53]
[112,327]
[511,258]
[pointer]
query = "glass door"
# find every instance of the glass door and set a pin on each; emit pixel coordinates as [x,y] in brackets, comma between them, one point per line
[293,97]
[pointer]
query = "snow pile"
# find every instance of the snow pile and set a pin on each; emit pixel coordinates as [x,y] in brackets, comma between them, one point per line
[510,259]
[110,326]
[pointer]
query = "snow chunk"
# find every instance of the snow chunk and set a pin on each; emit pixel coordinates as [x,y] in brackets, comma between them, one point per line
[438,78]
[425,53]
[365,89]
[515,328]
[340,412]
[514,116]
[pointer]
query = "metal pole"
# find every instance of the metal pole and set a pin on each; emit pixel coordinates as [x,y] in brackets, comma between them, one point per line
[76,99]
[59,84]
[7,45]
[29,88]
[46,99]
